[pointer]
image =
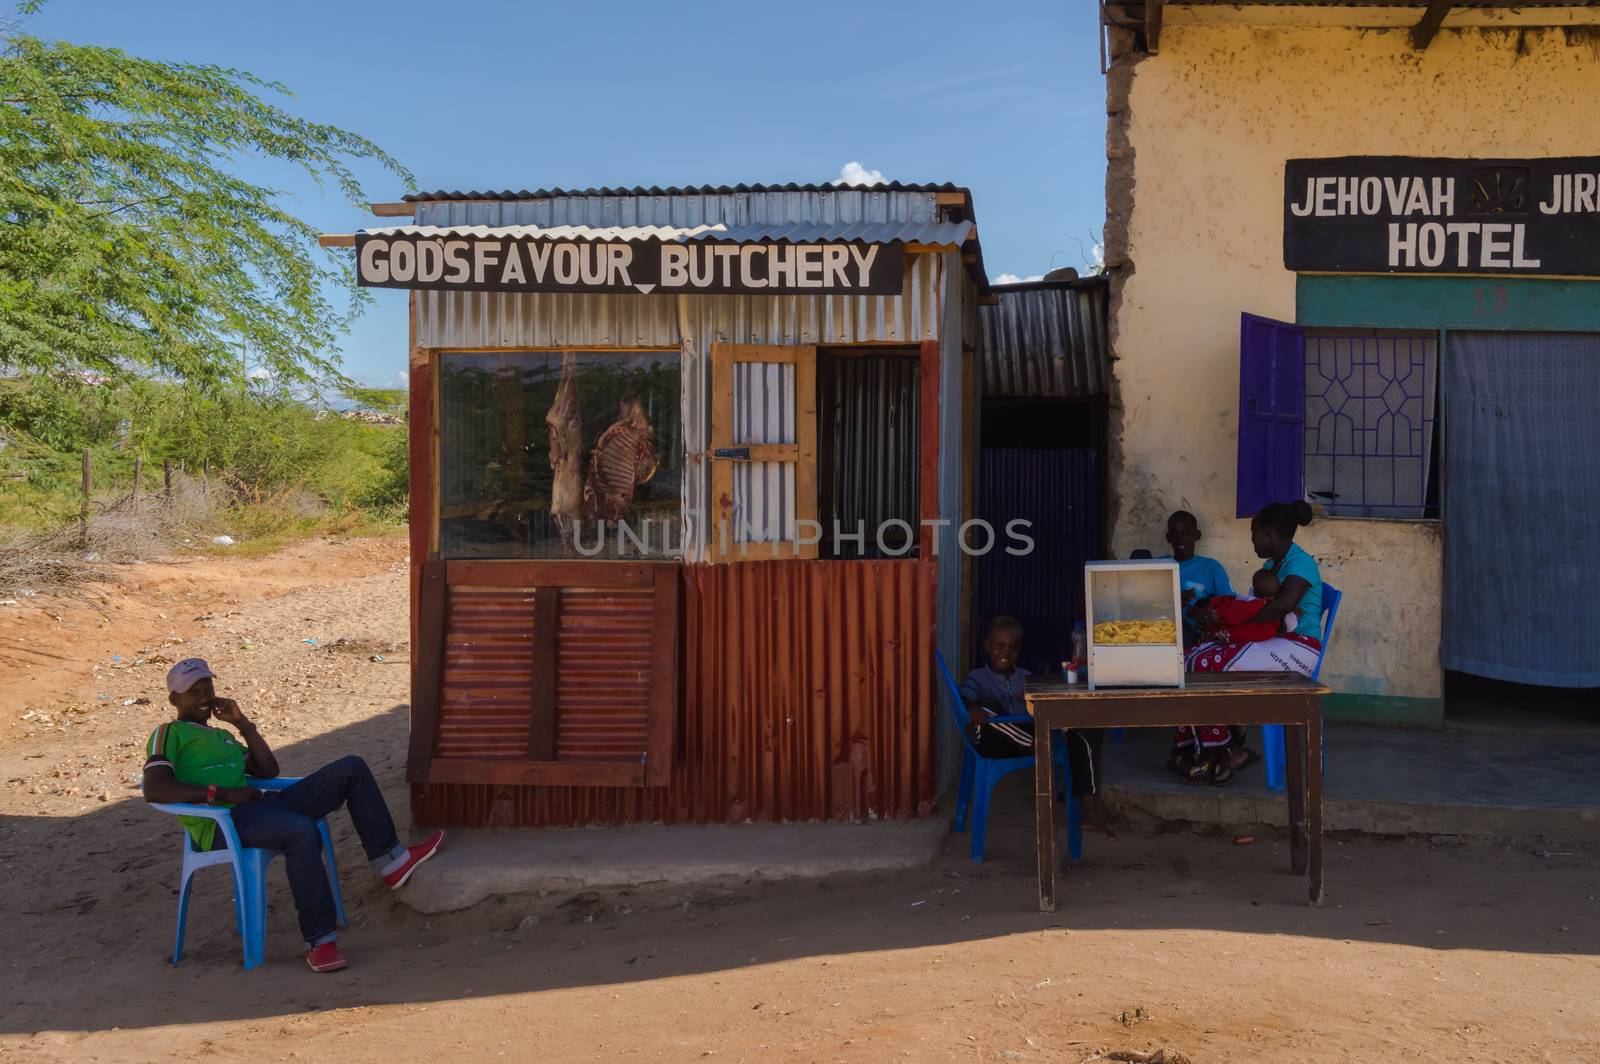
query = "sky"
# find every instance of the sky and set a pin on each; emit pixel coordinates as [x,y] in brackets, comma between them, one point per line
[1006,99]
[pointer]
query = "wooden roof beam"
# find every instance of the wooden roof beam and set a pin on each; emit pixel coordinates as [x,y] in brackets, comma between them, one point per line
[1424,31]
[337,240]
[1152,24]
[394,210]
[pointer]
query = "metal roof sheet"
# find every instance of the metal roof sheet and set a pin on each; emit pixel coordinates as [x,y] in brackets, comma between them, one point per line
[934,234]
[682,190]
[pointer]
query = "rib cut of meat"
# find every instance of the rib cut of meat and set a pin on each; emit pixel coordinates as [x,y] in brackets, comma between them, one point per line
[624,458]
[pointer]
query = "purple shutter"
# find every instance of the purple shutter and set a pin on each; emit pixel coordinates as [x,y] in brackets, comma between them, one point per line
[1272,412]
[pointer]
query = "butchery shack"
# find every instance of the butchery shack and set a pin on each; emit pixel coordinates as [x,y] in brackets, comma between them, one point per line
[687,498]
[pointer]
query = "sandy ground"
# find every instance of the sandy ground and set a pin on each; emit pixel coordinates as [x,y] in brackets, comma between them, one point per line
[1193,944]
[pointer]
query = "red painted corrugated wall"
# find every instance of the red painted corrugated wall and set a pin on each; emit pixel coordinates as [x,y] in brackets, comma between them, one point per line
[806,695]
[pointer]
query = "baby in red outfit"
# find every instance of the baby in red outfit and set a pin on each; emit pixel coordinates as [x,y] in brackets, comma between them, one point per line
[1230,619]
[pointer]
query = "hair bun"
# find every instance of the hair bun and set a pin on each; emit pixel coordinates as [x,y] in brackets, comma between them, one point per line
[1301,511]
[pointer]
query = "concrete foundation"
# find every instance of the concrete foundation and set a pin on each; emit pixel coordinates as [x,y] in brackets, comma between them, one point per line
[1505,783]
[475,865]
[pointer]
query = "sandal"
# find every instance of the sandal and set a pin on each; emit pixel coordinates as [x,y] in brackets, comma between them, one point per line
[1200,773]
[1250,758]
[1222,775]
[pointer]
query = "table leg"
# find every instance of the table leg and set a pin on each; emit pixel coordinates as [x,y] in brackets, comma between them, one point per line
[1314,801]
[1044,824]
[1294,773]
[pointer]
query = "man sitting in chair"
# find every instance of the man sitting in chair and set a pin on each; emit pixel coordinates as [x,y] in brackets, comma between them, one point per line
[190,761]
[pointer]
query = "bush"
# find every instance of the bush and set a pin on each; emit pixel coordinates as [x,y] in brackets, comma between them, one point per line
[261,443]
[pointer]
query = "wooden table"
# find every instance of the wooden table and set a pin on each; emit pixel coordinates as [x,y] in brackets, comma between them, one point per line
[1210,698]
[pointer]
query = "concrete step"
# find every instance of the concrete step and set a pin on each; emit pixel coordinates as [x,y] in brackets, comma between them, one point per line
[1491,783]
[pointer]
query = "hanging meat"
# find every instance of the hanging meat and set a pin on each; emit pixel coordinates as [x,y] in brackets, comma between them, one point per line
[624,458]
[566,452]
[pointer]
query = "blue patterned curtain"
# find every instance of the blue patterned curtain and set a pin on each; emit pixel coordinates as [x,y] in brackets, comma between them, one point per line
[1521,491]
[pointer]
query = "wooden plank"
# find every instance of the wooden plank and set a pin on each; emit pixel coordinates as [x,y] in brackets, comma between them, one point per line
[394,210]
[83,512]
[661,745]
[535,773]
[969,461]
[805,429]
[542,700]
[1427,27]
[1153,11]
[427,666]
[778,353]
[1294,775]
[337,240]
[928,445]
[950,199]
[1314,798]
[720,535]
[1044,822]
[479,572]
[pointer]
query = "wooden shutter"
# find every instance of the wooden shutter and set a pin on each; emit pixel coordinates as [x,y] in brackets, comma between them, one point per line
[548,673]
[1272,404]
[763,451]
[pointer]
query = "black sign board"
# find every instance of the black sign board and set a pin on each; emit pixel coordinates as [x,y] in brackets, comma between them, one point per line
[1372,214]
[530,264]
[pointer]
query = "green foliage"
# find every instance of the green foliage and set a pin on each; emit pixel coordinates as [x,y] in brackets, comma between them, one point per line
[259,442]
[125,242]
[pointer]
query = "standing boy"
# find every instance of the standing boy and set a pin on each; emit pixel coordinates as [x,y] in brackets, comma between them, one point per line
[996,690]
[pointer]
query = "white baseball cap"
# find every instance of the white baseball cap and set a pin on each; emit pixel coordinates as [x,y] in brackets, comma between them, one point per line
[185,673]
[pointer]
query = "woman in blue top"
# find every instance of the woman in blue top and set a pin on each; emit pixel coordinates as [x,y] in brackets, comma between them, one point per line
[1212,753]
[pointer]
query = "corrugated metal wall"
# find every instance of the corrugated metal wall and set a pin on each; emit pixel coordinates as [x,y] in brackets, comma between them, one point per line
[807,695]
[1047,339]
[1057,491]
[488,673]
[870,457]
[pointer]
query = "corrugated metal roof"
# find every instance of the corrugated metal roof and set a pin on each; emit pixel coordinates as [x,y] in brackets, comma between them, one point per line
[1047,339]
[681,190]
[931,233]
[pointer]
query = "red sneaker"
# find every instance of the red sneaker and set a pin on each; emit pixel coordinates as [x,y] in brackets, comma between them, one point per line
[415,855]
[326,958]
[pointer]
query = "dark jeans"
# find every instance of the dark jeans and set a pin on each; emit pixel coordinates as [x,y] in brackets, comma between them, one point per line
[286,821]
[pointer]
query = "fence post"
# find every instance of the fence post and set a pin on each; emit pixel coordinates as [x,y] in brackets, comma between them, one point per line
[205,477]
[83,511]
[166,478]
[138,477]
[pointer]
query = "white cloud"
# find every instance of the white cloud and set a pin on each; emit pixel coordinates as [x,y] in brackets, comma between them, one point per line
[853,173]
[402,379]
[1011,278]
[260,373]
[1097,257]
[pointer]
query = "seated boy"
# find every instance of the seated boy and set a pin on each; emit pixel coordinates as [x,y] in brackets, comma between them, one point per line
[1199,577]
[1231,618]
[995,690]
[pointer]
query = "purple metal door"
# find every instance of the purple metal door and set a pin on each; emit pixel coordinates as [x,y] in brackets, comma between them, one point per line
[1272,412]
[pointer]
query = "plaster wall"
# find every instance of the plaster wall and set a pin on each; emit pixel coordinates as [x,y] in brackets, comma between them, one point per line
[1197,139]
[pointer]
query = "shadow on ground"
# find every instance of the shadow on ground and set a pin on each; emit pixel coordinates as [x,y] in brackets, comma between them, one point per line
[91,953]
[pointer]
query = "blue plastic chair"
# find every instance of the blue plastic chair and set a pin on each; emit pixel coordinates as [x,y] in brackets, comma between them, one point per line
[1272,740]
[249,867]
[979,774]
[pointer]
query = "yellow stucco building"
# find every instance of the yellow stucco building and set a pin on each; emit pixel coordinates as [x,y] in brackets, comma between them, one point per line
[1261,161]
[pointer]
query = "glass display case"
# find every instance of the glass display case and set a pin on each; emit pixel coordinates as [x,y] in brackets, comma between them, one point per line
[1135,624]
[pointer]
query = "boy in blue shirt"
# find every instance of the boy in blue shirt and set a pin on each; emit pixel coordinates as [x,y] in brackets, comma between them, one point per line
[1199,577]
[996,690]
